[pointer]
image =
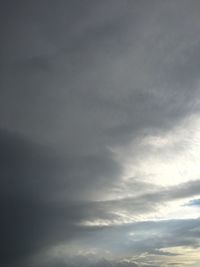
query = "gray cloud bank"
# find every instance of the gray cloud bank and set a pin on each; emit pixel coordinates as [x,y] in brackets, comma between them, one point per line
[78,78]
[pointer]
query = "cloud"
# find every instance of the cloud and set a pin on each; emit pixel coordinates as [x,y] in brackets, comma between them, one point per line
[80,82]
[43,217]
[32,194]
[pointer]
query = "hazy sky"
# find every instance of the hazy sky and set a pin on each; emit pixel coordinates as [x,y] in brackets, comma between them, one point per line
[100,133]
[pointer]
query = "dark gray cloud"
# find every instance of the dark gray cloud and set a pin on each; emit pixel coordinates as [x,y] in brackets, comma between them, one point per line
[87,263]
[36,197]
[40,203]
[77,79]
[115,82]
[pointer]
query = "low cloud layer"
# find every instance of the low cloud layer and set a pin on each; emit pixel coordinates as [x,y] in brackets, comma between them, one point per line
[99,133]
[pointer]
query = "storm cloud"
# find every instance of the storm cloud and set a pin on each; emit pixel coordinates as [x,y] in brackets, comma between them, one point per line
[99,133]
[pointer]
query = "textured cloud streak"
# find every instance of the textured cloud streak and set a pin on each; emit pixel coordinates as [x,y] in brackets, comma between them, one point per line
[99,133]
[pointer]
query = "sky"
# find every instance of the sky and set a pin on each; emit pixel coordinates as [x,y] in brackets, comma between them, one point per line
[99,133]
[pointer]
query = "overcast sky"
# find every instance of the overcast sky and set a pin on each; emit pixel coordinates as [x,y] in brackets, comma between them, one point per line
[100,133]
